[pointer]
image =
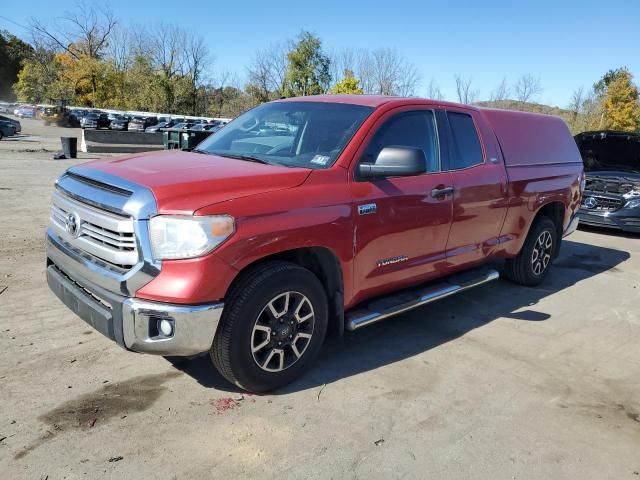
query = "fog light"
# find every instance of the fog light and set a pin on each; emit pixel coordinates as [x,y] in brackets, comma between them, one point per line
[165,327]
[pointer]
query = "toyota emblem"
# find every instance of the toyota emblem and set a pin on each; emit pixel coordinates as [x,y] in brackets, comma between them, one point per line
[72,224]
[590,202]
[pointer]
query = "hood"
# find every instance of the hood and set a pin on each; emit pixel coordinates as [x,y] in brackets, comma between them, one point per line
[610,151]
[183,182]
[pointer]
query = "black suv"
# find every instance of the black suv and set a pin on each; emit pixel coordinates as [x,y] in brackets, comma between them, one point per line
[612,166]
[95,120]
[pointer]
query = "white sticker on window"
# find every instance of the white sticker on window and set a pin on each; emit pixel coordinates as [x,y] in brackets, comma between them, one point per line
[320,159]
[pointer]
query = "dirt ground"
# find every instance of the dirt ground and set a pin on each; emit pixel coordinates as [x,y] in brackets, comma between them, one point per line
[501,382]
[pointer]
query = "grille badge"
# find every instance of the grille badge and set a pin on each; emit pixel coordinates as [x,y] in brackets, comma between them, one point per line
[590,202]
[72,224]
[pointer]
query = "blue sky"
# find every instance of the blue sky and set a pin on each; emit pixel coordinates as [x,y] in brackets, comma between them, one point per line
[565,43]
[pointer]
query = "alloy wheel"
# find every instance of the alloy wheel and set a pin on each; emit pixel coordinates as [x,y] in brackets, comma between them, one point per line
[542,250]
[282,332]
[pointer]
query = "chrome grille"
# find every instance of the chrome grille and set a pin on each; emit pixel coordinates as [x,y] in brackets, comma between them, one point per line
[603,204]
[105,235]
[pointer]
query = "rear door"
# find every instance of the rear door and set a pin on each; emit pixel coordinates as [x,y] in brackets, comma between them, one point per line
[480,188]
[400,227]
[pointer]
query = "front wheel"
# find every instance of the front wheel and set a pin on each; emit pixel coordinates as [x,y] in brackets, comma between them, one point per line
[532,264]
[272,328]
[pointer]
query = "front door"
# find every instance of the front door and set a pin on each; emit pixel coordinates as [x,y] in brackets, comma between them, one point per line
[401,224]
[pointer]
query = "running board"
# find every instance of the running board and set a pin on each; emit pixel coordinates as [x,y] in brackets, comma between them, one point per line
[386,307]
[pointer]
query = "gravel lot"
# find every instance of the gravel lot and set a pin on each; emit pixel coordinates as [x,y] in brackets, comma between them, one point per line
[501,382]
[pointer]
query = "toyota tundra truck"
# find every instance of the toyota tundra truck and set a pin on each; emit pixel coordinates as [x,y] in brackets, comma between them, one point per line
[306,215]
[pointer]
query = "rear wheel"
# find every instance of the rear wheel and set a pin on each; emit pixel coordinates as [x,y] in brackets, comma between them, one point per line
[532,264]
[272,328]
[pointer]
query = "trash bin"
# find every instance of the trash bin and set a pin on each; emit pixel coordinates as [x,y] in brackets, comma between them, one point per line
[70,146]
[171,138]
[191,139]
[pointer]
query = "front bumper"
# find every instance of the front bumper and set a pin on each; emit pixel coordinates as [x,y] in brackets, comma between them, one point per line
[625,219]
[133,323]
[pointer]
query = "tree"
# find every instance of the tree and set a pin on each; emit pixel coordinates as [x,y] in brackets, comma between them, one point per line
[308,68]
[576,105]
[466,94]
[600,87]
[526,88]
[382,71]
[13,52]
[267,73]
[433,91]
[621,108]
[348,85]
[36,79]
[501,92]
[391,73]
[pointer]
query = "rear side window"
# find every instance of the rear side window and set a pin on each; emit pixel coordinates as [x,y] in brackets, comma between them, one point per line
[466,144]
[411,129]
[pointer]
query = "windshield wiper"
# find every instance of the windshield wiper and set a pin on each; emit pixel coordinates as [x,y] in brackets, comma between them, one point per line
[247,158]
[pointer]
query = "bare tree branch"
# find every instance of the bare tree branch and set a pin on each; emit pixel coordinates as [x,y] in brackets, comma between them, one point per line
[466,94]
[501,92]
[526,88]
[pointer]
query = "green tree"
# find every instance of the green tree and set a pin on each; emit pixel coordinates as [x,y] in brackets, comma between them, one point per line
[13,52]
[308,67]
[348,85]
[37,81]
[621,108]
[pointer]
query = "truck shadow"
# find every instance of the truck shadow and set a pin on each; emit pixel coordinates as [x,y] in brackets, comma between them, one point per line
[428,327]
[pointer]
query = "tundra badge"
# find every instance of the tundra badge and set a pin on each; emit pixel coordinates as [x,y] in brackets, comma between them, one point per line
[390,261]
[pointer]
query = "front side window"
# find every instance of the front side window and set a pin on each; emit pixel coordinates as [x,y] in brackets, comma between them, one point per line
[411,129]
[467,150]
[296,134]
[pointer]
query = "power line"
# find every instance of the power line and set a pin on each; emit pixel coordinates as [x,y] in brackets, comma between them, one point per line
[15,23]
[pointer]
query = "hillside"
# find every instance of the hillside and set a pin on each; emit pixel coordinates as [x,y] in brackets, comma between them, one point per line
[526,107]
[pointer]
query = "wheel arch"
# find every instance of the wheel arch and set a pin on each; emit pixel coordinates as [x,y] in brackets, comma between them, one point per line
[555,211]
[325,265]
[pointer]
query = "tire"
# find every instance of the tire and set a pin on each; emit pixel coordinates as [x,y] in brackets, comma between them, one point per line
[256,312]
[1,136]
[532,264]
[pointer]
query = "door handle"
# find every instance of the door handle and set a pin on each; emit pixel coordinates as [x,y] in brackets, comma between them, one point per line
[439,192]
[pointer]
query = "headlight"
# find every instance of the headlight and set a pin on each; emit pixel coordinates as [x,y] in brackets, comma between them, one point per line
[633,203]
[174,237]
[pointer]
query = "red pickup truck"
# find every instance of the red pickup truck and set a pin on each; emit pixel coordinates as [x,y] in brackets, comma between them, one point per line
[308,214]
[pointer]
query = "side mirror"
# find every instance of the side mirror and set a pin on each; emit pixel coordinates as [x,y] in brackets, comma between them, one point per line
[395,162]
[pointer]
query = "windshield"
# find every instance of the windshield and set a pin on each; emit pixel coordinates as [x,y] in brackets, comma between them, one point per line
[610,152]
[297,134]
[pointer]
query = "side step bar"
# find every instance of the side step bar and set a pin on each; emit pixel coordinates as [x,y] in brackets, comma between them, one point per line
[392,305]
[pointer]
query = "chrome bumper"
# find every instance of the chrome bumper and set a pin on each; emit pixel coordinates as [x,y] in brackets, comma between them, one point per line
[194,327]
[133,323]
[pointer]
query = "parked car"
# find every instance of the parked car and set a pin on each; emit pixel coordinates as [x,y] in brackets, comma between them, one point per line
[26,112]
[253,245]
[76,115]
[183,126]
[7,129]
[140,124]
[612,191]
[15,123]
[95,120]
[119,122]
[205,127]
[160,125]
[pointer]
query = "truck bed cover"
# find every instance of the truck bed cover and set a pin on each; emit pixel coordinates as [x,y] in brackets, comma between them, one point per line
[532,138]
